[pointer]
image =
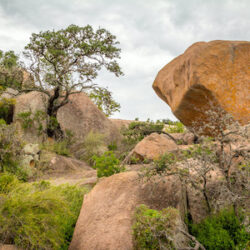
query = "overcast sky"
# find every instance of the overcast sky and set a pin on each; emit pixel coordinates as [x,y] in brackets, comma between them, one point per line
[151,33]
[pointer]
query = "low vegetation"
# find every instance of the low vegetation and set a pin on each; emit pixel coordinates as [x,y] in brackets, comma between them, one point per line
[154,229]
[11,150]
[175,127]
[223,230]
[137,130]
[6,109]
[107,164]
[10,74]
[93,144]
[38,215]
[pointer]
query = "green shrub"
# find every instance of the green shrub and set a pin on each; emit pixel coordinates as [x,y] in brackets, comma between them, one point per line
[112,146]
[58,147]
[7,183]
[164,162]
[2,122]
[38,215]
[107,164]
[29,120]
[26,119]
[10,150]
[138,130]
[154,229]
[221,231]
[6,109]
[93,144]
[161,166]
[10,73]
[177,127]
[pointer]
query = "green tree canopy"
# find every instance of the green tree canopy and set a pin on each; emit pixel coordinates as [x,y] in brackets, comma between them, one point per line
[68,61]
[11,74]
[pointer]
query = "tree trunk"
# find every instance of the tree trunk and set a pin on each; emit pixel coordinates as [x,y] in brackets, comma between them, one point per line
[53,127]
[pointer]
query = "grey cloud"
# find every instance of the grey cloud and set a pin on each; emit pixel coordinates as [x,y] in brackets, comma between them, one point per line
[151,33]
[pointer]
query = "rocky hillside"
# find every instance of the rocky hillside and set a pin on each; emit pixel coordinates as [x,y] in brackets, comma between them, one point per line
[117,184]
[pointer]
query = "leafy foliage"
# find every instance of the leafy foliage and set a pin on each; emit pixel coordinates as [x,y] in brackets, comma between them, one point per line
[222,231]
[29,120]
[10,150]
[138,130]
[164,163]
[10,73]
[60,147]
[38,215]
[6,109]
[176,127]
[93,144]
[153,229]
[107,164]
[103,99]
[67,61]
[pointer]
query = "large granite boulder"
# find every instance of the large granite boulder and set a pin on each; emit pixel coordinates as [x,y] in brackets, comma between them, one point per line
[152,147]
[27,106]
[120,123]
[208,76]
[106,217]
[59,169]
[80,116]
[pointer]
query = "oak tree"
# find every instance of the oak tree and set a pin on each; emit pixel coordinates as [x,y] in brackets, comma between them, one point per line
[67,62]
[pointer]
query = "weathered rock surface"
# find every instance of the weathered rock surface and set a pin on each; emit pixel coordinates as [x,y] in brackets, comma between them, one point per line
[107,212]
[60,169]
[209,74]
[153,146]
[80,116]
[184,138]
[30,102]
[9,247]
[31,154]
[119,123]
[9,93]
[197,206]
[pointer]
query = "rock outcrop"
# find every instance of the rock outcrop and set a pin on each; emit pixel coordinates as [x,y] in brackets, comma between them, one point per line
[80,116]
[186,138]
[60,169]
[106,217]
[152,147]
[120,123]
[30,102]
[9,247]
[209,75]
